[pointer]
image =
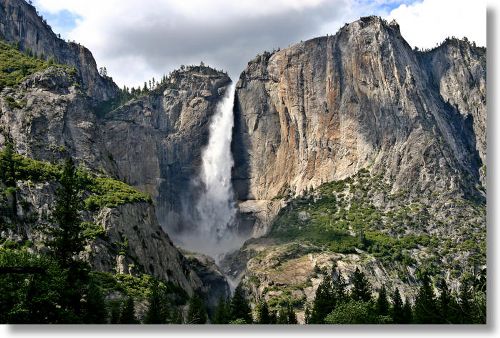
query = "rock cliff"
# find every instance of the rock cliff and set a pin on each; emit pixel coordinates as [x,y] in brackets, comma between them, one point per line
[322,109]
[20,24]
[156,140]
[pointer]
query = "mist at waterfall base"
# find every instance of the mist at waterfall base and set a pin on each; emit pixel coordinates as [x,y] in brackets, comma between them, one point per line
[214,213]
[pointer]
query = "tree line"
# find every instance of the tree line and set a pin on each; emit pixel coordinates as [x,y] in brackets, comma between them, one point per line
[334,304]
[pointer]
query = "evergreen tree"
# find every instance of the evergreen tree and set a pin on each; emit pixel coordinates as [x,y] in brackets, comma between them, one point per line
[68,239]
[361,288]
[282,316]
[397,308]
[291,316]
[127,315]
[263,316]
[324,302]
[240,309]
[407,313]
[273,317]
[94,308]
[465,306]
[382,304]
[339,287]
[8,174]
[155,313]
[446,304]
[307,314]
[115,310]
[425,303]
[222,312]
[196,313]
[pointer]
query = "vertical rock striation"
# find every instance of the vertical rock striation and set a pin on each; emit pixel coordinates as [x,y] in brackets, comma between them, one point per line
[322,109]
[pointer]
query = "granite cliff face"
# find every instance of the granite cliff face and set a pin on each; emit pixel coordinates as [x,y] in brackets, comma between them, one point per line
[323,109]
[152,142]
[20,23]
[156,140]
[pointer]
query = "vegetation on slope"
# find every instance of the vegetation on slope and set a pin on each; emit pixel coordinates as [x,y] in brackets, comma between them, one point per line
[341,217]
[15,65]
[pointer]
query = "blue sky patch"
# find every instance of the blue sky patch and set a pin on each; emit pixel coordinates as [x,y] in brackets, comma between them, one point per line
[62,22]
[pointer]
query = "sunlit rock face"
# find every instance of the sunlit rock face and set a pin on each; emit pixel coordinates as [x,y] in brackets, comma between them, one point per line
[323,109]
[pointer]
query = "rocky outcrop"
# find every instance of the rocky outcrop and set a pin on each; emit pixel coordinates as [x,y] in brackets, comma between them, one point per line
[134,242]
[215,286]
[323,109]
[458,70]
[20,23]
[156,140]
[53,117]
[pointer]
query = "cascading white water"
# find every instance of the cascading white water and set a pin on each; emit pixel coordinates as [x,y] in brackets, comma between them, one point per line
[215,232]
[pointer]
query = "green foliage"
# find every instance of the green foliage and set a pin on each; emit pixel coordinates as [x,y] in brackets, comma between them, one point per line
[361,287]
[382,304]
[108,192]
[127,315]
[32,297]
[425,311]
[222,312]
[263,316]
[324,302]
[157,312]
[67,237]
[240,308]
[355,312]
[101,191]
[15,66]
[197,313]
[94,307]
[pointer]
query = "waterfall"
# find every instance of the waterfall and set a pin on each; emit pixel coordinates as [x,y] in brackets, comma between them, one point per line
[215,212]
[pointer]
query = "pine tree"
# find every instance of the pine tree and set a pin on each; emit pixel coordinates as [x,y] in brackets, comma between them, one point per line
[382,304]
[324,302]
[307,314]
[407,313]
[94,308]
[263,316]
[361,288]
[339,287]
[291,316]
[222,312]
[425,303]
[465,296]
[397,308]
[282,316]
[273,317]
[8,173]
[68,239]
[446,304]
[127,316]
[196,313]
[155,312]
[115,310]
[240,309]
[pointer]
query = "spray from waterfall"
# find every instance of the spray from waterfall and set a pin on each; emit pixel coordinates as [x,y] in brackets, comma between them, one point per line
[215,212]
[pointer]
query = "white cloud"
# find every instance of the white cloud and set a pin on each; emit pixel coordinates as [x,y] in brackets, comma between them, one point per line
[136,40]
[429,22]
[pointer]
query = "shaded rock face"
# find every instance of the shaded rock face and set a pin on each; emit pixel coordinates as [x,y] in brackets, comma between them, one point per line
[54,119]
[144,247]
[215,286]
[152,142]
[20,23]
[156,140]
[325,108]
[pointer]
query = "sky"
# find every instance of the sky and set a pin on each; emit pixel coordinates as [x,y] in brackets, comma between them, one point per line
[137,40]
